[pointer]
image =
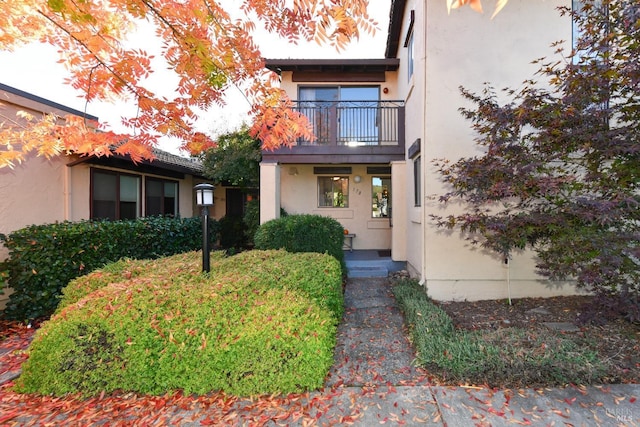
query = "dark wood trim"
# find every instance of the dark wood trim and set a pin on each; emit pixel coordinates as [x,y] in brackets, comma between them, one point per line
[332,170]
[378,170]
[410,29]
[319,76]
[415,148]
[331,158]
[343,66]
[395,27]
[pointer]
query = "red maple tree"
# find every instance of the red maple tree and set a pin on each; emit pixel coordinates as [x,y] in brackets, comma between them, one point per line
[209,50]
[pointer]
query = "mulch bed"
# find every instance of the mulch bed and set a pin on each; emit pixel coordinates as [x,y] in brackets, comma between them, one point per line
[617,341]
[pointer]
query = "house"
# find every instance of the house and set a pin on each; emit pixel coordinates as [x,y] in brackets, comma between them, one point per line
[380,124]
[72,188]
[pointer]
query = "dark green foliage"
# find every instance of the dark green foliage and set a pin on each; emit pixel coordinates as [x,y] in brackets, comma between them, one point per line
[233,233]
[561,171]
[302,233]
[251,219]
[510,357]
[260,322]
[44,258]
[235,161]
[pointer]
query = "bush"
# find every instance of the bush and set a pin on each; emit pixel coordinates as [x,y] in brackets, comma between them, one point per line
[505,357]
[162,325]
[303,233]
[251,219]
[233,232]
[44,258]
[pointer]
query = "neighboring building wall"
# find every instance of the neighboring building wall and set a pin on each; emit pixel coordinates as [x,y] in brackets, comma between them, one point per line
[466,48]
[42,191]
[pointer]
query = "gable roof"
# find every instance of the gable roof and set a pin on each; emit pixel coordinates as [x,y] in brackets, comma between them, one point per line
[164,161]
[45,102]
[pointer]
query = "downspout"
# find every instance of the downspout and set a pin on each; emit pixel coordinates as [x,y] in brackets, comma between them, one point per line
[67,193]
[424,149]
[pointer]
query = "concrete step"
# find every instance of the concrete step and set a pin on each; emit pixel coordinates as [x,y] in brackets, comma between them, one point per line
[360,271]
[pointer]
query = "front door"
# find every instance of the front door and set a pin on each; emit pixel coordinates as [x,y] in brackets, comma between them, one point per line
[381,208]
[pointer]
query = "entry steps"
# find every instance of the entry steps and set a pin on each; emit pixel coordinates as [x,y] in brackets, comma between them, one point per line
[370,264]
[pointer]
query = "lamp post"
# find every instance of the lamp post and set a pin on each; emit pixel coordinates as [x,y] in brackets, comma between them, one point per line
[204,198]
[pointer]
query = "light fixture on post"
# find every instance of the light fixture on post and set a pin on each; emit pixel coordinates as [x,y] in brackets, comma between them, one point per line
[204,198]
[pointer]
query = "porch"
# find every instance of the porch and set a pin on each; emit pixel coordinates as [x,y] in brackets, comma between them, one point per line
[371,263]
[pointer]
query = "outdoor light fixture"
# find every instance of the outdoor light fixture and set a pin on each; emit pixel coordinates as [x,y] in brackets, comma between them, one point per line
[204,198]
[357,178]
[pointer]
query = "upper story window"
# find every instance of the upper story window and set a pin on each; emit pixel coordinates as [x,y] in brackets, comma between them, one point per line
[333,192]
[161,197]
[577,32]
[346,114]
[114,195]
[409,44]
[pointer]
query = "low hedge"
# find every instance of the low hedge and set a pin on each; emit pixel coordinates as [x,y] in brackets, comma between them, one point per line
[506,357]
[158,326]
[44,258]
[303,233]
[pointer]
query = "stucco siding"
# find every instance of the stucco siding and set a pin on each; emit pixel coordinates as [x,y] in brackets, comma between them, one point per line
[468,49]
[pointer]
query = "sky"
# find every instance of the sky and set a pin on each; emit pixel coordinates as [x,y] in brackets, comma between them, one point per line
[34,68]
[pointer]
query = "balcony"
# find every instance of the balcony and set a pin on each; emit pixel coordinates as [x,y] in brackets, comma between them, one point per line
[348,132]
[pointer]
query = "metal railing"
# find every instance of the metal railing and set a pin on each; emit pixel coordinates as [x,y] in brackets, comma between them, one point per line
[354,123]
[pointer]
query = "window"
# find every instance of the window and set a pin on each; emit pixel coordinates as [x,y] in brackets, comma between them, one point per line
[577,32]
[417,182]
[162,197]
[348,115]
[333,192]
[410,57]
[381,197]
[409,44]
[114,195]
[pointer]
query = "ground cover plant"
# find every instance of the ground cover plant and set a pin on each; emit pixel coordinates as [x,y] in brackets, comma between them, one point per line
[156,326]
[493,343]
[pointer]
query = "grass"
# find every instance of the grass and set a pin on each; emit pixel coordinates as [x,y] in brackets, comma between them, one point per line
[505,357]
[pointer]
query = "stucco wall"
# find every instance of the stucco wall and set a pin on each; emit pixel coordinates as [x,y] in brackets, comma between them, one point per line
[468,49]
[299,195]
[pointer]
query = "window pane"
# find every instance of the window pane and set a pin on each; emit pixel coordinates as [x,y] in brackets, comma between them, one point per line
[129,188]
[333,192]
[154,197]
[170,198]
[381,200]
[359,93]
[129,193]
[104,193]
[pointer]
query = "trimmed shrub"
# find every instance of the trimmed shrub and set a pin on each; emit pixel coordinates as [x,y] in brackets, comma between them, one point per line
[163,326]
[44,258]
[303,233]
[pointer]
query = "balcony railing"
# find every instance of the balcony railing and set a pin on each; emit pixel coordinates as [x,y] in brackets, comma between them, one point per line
[347,132]
[354,123]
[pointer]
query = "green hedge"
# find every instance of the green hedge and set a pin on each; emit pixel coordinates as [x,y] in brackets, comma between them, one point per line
[303,233]
[44,258]
[259,322]
[506,357]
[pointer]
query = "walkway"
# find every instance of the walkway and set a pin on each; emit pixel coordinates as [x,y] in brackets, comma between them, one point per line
[373,382]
